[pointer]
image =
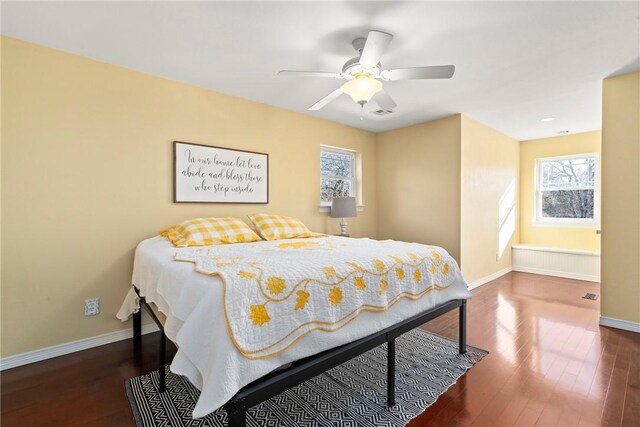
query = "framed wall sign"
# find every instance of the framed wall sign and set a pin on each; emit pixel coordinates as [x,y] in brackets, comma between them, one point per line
[205,174]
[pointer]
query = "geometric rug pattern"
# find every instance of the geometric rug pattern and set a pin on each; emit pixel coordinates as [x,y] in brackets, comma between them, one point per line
[352,394]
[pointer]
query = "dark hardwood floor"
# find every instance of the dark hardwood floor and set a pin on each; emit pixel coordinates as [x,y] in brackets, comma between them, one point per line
[549,364]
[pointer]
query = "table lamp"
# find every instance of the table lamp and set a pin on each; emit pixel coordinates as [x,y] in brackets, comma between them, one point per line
[343,207]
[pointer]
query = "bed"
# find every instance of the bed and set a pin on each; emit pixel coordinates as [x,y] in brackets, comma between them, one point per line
[189,292]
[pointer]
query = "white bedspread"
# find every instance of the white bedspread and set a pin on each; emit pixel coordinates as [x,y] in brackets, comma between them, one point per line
[193,304]
[277,292]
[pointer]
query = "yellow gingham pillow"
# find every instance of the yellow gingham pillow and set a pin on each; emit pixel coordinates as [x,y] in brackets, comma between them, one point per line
[209,231]
[275,227]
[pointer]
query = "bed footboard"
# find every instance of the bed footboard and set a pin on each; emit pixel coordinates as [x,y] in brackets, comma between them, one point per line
[302,370]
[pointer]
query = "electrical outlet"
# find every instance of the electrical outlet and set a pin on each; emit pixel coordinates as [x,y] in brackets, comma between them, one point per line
[91,306]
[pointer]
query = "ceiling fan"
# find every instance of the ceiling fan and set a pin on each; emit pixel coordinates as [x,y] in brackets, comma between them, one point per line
[364,74]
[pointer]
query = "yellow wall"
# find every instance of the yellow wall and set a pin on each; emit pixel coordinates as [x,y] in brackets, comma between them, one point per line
[490,172]
[440,183]
[87,174]
[419,184]
[560,237]
[620,275]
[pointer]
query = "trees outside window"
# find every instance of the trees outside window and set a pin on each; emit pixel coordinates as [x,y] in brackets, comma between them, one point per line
[337,174]
[566,190]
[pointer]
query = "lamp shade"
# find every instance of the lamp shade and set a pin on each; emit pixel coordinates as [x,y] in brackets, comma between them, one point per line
[362,88]
[343,207]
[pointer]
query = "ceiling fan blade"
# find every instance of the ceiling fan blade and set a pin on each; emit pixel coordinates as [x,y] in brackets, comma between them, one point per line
[288,73]
[384,101]
[327,99]
[374,47]
[433,72]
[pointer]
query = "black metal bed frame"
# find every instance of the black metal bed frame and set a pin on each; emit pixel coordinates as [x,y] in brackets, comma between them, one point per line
[304,369]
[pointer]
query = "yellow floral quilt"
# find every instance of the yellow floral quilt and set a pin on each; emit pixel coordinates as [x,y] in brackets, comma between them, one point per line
[276,292]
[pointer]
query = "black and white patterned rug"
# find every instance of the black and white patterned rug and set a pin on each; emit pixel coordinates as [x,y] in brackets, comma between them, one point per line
[352,394]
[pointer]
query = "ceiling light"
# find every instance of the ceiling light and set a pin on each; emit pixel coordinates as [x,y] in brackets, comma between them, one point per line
[362,88]
[548,119]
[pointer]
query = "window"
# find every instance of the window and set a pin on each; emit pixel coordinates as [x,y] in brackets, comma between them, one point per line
[337,174]
[566,190]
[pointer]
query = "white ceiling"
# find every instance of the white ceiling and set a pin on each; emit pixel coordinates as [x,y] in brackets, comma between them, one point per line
[516,62]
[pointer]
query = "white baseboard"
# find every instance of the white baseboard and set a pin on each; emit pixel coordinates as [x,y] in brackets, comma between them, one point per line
[620,324]
[558,262]
[71,347]
[487,279]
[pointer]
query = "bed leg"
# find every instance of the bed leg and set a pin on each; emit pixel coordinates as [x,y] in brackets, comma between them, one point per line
[391,373]
[237,419]
[462,333]
[137,327]
[163,351]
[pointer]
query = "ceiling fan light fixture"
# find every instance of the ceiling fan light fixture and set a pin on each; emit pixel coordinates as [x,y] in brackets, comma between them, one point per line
[364,72]
[362,88]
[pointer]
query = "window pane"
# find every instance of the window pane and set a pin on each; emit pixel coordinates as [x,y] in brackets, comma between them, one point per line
[330,188]
[568,173]
[567,204]
[336,164]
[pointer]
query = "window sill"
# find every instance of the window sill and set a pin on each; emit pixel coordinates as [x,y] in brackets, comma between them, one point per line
[327,209]
[567,224]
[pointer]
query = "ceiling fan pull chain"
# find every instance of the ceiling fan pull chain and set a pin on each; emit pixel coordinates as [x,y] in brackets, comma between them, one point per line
[361,110]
